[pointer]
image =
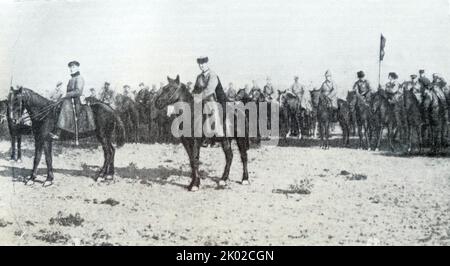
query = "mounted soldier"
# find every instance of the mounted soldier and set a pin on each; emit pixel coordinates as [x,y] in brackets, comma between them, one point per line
[438,86]
[392,88]
[329,90]
[231,92]
[254,89]
[268,90]
[73,118]
[423,80]
[207,89]
[107,95]
[415,87]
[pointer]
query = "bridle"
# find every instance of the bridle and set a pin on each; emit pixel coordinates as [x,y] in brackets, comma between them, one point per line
[39,116]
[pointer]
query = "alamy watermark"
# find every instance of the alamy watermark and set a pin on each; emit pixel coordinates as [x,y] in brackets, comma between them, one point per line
[255,120]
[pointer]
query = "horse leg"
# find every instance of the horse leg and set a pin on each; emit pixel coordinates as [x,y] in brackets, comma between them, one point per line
[101,173]
[38,145]
[366,138]
[13,147]
[327,132]
[195,182]
[110,165]
[49,162]
[409,138]
[390,136]
[242,146]
[19,148]
[226,146]
[360,135]
[379,137]
[419,137]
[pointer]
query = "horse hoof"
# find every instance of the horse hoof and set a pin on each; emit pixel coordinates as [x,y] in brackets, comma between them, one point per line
[109,177]
[47,183]
[100,179]
[193,188]
[19,161]
[29,182]
[245,182]
[222,183]
[377,149]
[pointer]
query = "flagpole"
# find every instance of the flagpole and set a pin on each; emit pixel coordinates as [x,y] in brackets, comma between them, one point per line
[379,73]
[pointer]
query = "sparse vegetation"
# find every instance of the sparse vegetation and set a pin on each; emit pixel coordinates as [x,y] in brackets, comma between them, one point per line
[69,220]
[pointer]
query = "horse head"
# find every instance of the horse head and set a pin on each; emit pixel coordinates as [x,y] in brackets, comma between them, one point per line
[315,97]
[171,93]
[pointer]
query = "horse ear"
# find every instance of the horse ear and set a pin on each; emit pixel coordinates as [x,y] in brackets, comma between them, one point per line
[177,80]
[169,79]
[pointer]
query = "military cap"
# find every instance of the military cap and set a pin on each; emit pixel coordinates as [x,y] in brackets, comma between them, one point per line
[361,74]
[92,89]
[107,83]
[421,71]
[328,73]
[141,84]
[413,76]
[202,60]
[126,86]
[73,63]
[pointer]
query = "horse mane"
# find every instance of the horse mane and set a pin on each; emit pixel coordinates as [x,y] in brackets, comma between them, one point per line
[34,96]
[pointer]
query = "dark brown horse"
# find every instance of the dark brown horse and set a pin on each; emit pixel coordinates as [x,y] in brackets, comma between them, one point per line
[382,117]
[414,118]
[43,119]
[129,114]
[324,115]
[435,118]
[16,126]
[177,92]
[290,104]
[362,116]
[344,118]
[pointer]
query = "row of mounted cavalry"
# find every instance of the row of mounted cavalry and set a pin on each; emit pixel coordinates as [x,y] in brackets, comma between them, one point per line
[368,116]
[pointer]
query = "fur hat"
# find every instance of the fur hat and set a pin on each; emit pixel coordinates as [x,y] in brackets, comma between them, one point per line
[361,74]
[393,75]
[73,63]
[202,60]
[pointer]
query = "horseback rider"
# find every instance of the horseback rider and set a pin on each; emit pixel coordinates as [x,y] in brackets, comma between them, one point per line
[362,86]
[268,90]
[297,89]
[329,90]
[254,89]
[209,89]
[107,94]
[126,90]
[392,88]
[231,92]
[415,87]
[423,80]
[74,91]
[438,86]
[57,94]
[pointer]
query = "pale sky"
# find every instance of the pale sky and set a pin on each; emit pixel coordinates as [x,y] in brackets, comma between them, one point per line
[126,42]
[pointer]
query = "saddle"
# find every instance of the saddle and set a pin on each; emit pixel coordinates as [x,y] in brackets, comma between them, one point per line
[82,115]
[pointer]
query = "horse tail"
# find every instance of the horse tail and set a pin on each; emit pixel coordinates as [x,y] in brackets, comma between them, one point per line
[120,131]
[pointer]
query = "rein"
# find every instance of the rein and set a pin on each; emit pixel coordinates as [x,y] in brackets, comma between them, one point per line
[41,114]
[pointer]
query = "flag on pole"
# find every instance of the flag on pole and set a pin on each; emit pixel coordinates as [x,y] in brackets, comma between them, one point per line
[382,45]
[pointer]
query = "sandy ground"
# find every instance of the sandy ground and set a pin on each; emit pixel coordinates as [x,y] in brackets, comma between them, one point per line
[297,196]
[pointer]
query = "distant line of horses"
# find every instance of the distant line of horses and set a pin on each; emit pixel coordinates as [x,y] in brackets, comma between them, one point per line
[144,123]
